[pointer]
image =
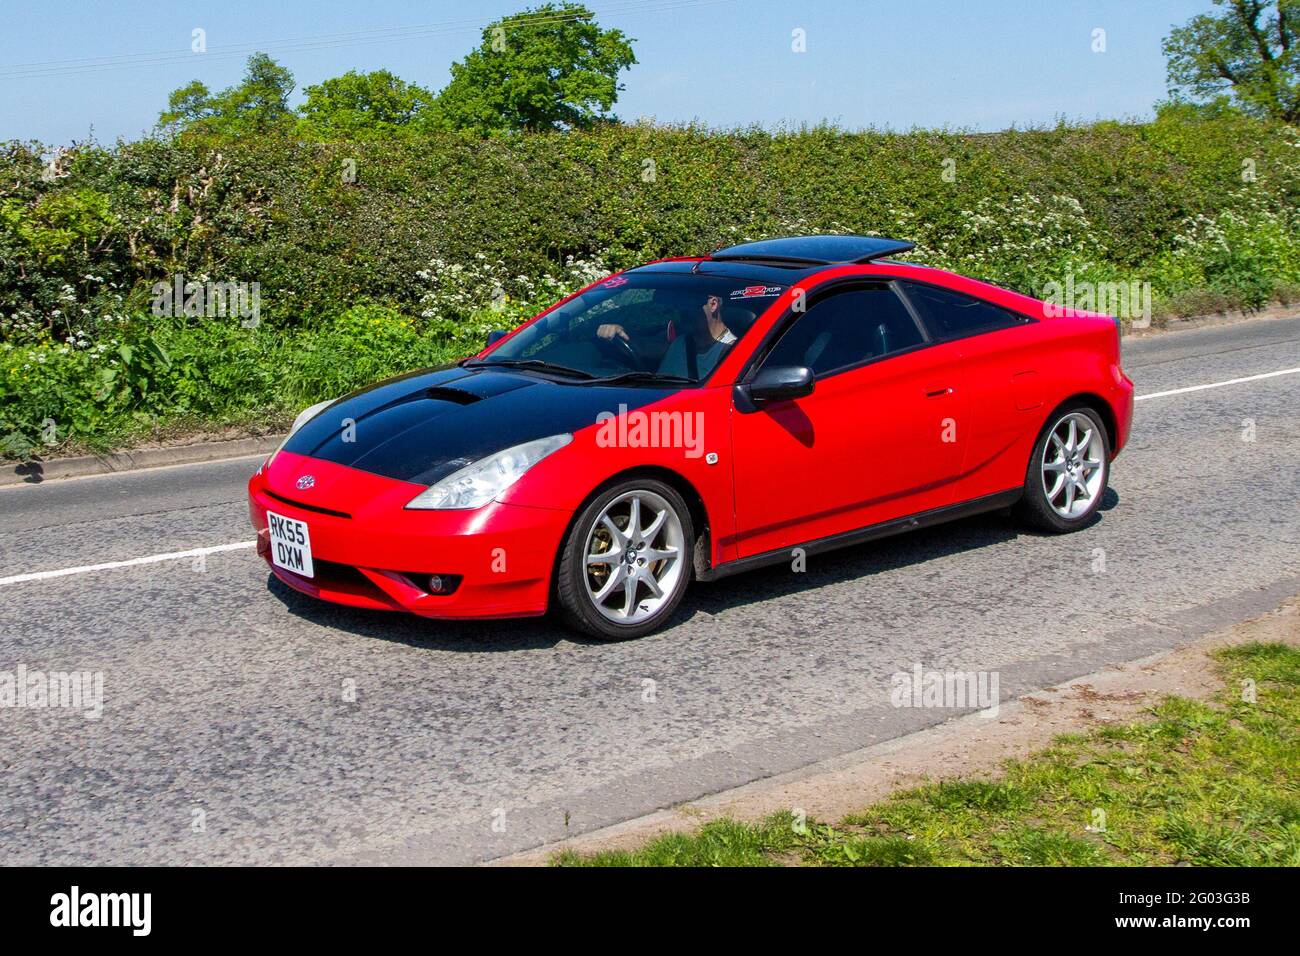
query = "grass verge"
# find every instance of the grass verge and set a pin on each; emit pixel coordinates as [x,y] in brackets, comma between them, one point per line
[1209,783]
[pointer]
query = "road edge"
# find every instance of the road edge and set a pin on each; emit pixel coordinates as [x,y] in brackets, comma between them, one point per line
[38,472]
[967,746]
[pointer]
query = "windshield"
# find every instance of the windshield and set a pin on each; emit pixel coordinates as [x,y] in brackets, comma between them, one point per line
[673,326]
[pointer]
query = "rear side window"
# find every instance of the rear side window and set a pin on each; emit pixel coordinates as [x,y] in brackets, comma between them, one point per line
[847,328]
[953,315]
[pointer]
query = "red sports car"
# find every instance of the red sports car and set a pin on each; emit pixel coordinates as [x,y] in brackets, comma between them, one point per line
[692,418]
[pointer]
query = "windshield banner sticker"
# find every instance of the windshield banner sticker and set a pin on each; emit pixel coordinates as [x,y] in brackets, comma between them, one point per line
[757,291]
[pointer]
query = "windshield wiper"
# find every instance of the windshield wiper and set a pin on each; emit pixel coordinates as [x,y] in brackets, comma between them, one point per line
[641,376]
[540,365]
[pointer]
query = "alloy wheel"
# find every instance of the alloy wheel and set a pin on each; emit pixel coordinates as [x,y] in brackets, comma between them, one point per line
[634,557]
[1074,465]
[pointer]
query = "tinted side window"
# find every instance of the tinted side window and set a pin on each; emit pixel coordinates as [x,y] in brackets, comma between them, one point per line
[846,329]
[951,315]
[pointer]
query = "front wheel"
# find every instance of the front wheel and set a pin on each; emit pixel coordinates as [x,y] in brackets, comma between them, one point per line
[626,561]
[1067,472]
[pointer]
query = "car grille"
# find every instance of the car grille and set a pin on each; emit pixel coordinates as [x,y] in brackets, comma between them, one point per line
[306,507]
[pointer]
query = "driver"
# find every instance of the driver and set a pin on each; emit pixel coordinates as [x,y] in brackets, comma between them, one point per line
[695,354]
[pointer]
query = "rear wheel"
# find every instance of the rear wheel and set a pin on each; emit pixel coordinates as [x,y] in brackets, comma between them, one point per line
[626,562]
[1067,472]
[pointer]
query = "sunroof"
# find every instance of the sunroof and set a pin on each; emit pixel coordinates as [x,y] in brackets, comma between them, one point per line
[816,250]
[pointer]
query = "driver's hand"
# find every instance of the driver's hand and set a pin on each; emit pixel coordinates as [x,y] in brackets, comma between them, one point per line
[611,330]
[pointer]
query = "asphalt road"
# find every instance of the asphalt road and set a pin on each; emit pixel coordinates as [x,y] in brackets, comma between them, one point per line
[230,731]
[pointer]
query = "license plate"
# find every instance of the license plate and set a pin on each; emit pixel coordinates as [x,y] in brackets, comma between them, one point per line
[290,544]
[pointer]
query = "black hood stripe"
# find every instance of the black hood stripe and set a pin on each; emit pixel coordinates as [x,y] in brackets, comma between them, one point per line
[413,429]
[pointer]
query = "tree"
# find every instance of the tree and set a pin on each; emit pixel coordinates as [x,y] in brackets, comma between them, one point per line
[1250,52]
[552,67]
[187,106]
[259,104]
[374,105]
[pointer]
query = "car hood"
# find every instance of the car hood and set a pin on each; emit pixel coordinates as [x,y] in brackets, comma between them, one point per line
[423,426]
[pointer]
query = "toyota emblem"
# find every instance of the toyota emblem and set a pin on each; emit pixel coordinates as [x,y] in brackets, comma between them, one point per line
[306,481]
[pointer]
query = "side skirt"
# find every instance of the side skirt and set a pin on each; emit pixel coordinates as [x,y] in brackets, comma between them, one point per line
[845,539]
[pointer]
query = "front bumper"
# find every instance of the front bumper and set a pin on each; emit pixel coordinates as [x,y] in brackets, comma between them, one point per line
[370,552]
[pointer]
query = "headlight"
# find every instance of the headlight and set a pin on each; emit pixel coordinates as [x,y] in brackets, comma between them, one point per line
[477,484]
[304,416]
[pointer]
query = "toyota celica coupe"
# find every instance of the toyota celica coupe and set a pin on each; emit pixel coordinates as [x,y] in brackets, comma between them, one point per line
[690,419]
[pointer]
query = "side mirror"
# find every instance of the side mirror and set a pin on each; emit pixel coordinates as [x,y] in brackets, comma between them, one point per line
[495,336]
[780,383]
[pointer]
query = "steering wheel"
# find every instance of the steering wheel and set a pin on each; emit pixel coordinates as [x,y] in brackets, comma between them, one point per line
[621,350]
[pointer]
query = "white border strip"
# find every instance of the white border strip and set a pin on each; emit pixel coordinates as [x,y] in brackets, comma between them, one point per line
[151,559]
[1231,381]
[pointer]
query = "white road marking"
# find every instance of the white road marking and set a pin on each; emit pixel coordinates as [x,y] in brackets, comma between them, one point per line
[240,546]
[1231,381]
[132,562]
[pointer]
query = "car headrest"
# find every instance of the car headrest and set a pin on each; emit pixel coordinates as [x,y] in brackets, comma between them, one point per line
[737,319]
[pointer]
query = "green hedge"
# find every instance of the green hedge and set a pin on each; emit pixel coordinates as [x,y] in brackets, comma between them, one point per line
[165,377]
[280,213]
[1203,209]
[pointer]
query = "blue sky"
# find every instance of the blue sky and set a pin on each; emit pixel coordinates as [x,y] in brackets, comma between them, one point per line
[978,64]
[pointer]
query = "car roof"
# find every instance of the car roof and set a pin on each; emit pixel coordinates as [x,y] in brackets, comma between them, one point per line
[785,260]
[815,250]
[788,272]
[746,271]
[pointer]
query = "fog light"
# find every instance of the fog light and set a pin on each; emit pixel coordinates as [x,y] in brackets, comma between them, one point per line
[442,583]
[439,584]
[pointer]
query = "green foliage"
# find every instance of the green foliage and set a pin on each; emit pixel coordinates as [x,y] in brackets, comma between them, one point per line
[60,223]
[258,105]
[144,376]
[718,843]
[139,368]
[1022,207]
[364,344]
[458,235]
[548,68]
[1249,51]
[363,106]
[150,374]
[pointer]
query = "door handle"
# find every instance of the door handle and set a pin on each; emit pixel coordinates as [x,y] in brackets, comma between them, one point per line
[937,392]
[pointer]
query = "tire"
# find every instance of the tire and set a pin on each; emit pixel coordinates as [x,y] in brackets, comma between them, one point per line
[1061,491]
[660,559]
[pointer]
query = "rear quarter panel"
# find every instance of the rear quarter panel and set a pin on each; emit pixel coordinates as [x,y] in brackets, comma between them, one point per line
[1018,377]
